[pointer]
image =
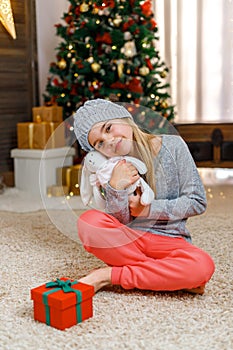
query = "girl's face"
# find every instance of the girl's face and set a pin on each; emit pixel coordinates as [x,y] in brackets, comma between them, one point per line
[112,138]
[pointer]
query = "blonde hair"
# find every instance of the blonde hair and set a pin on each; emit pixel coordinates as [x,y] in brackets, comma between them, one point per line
[145,150]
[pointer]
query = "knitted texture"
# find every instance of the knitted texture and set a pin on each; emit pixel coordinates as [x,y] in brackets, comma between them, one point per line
[92,112]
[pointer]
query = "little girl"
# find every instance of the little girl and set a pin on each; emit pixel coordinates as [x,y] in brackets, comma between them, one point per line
[146,247]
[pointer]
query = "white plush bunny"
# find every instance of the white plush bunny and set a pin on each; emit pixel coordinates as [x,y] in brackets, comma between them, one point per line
[96,173]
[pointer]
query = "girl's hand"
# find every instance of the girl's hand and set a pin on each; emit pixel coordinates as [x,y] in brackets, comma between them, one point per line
[124,174]
[135,206]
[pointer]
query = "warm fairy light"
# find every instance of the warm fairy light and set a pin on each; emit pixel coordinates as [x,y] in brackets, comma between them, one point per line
[6,17]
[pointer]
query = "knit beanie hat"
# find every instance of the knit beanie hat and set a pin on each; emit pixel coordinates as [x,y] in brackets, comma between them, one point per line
[92,112]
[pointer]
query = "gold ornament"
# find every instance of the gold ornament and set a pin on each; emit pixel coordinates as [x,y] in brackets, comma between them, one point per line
[117,21]
[84,7]
[163,74]
[90,59]
[164,104]
[61,64]
[6,17]
[120,68]
[95,10]
[144,71]
[95,67]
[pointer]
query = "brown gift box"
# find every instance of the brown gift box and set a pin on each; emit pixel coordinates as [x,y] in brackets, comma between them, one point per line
[40,135]
[47,114]
[69,176]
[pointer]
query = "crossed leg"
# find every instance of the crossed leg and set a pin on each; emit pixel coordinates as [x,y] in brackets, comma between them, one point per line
[141,260]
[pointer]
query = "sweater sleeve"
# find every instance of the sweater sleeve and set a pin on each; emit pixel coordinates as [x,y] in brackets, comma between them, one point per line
[187,198]
[117,204]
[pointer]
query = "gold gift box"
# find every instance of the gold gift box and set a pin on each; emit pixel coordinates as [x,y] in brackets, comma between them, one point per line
[69,176]
[47,114]
[40,135]
[57,191]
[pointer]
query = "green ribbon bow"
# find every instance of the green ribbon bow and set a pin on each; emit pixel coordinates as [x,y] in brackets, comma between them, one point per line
[66,287]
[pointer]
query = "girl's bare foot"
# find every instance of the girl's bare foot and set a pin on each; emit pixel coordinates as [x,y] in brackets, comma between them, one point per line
[98,278]
[199,290]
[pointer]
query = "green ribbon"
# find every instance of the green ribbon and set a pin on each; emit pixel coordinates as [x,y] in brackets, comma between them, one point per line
[66,287]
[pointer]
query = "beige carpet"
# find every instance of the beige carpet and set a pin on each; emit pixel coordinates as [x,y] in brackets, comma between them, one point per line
[33,252]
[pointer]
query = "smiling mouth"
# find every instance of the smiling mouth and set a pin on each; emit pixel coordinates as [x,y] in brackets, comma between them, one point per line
[117,145]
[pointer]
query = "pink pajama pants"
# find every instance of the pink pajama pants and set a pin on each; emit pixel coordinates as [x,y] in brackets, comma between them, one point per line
[143,260]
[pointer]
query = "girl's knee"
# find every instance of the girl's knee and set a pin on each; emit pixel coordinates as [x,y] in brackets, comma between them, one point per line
[209,266]
[205,267]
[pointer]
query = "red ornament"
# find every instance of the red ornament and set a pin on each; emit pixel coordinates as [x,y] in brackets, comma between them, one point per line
[56,82]
[74,90]
[79,64]
[146,8]
[105,38]
[108,3]
[127,24]
[65,84]
[68,19]
[71,29]
[117,85]
[77,11]
[153,23]
[53,65]
[148,63]
[135,86]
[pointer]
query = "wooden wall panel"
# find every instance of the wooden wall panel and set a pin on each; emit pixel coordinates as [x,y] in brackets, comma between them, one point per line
[18,77]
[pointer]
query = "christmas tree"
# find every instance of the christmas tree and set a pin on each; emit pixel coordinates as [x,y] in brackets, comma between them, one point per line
[109,51]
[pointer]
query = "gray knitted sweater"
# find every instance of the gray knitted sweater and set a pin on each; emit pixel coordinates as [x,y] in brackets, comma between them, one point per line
[179,193]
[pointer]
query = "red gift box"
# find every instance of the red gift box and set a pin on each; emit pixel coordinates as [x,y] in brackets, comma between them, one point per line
[62,303]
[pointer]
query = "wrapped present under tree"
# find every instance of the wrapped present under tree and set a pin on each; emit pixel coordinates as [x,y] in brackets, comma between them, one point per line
[40,135]
[47,114]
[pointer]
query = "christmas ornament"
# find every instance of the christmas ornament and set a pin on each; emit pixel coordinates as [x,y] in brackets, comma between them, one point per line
[95,67]
[144,71]
[117,21]
[6,17]
[120,68]
[163,74]
[95,10]
[90,59]
[164,104]
[61,64]
[129,49]
[146,7]
[84,7]
[127,36]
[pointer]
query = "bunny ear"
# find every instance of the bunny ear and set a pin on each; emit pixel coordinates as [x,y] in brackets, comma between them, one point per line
[139,165]
[86,189]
